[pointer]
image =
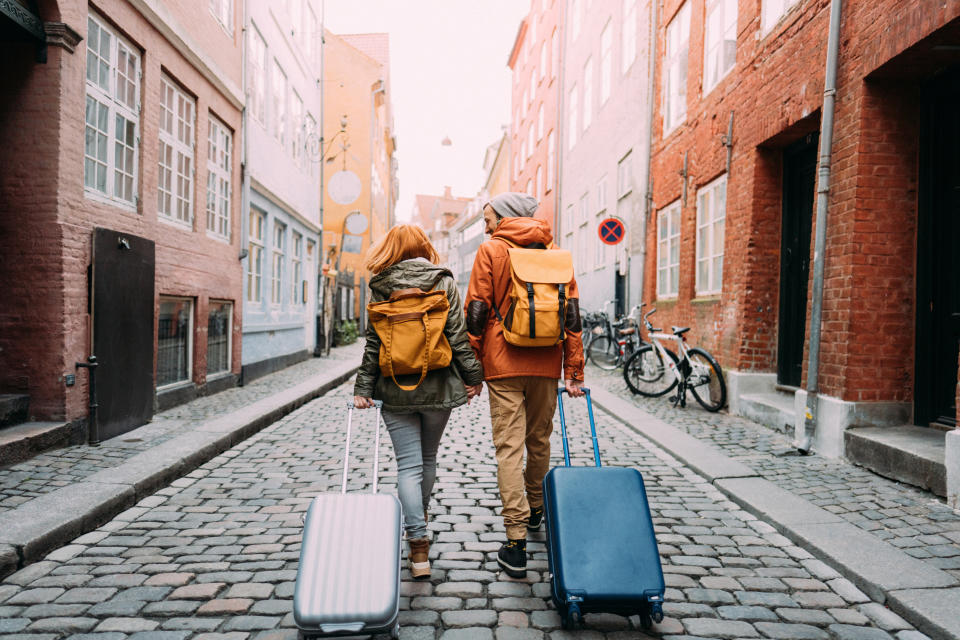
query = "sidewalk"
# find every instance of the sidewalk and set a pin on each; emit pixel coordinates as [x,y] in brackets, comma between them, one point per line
[60,494]
[897,543]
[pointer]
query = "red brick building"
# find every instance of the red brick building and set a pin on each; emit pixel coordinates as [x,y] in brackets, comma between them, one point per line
[534,128]
[119,205]
[730,240]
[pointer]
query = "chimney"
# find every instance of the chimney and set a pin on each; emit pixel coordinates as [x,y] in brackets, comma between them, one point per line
[448,193]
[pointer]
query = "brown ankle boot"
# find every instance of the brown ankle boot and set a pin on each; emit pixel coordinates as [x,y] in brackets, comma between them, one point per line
[420,558]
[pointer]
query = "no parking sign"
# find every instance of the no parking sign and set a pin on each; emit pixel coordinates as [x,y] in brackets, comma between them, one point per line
[611,231]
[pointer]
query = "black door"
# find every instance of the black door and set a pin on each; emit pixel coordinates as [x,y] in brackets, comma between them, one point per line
[938,255]
[799,182]
[123,275]
[620,294]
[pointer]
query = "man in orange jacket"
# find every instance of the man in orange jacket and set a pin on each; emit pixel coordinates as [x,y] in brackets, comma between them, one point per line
[522,381]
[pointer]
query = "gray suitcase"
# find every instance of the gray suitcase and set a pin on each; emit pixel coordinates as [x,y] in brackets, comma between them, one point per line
[348,580]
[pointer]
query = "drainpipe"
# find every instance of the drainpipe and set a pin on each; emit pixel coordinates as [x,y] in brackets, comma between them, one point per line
[320,337]
[244,167]
[558,158]
[648,154]
[805,438]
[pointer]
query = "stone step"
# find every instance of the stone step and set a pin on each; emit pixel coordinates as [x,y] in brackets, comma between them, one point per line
[14,408]
[23,441]
[774,410]
[907,453]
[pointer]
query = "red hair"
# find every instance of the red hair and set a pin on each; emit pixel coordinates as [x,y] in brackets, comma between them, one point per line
[402,242]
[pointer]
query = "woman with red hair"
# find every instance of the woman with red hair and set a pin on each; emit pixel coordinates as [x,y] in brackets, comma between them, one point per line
[405,259]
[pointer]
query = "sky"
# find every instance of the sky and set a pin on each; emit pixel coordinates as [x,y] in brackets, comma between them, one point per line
[449,75]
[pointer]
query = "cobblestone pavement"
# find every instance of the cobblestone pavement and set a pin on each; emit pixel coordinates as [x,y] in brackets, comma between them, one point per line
[58,468]
[916,521]
[214,556]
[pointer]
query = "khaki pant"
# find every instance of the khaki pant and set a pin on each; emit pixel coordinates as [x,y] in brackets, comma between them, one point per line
[521,410]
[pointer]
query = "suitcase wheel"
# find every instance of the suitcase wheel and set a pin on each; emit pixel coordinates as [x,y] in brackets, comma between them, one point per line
[572,618]
[395,632]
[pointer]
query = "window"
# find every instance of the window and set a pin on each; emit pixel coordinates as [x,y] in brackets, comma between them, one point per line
[222,10]
[600,255]
[219,334]
[531,144]
[668,251]
[296,127]
[772,10]
[568,222]
[255,257]
[711,213]
[279,106]
[628,36]
[529,189]
[584,213]
[575,18]
[175,183]
[257,71]
[551,160]
[602,194]
[310,129]
[533,29]
[625,175]
[555,55]
[523,105]
[296,270]
[606,43]
[720,50]
[583,248]
[572,114]
[276,274]
[543,60]
[218,179]
[112,120]
[310,44]
[540,123]
[675,86]
[533,87]
[174,341]
[587,93]
[539,184]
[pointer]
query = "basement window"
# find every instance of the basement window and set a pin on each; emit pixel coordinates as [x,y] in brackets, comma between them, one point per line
[174,342]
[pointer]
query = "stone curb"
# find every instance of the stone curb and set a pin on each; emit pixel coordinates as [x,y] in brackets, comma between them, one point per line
[912,588]
[39,526]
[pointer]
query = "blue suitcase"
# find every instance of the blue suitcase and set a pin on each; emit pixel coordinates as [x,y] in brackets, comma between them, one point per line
[600,540]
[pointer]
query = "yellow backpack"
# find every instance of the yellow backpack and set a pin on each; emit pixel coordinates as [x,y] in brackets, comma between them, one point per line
[410,326]
[537,295]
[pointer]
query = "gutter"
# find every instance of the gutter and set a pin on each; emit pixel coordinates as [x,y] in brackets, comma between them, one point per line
[561,75]
[648,178]
[804,437]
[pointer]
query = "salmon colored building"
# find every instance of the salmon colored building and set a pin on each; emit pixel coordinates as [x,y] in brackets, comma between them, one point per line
[119,207]
[535,97]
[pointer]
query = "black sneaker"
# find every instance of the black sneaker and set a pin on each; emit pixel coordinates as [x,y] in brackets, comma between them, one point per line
[513,558]
[536,519]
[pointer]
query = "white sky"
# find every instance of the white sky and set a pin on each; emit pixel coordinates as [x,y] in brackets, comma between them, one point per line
[449,75]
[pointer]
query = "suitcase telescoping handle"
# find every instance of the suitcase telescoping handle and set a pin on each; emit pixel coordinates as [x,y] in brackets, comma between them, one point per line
[563,427]
[376,447]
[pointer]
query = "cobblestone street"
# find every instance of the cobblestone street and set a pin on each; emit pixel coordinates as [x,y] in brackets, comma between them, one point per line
[214,556]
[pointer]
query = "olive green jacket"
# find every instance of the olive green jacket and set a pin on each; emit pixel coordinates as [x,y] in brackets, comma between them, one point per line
[442,388]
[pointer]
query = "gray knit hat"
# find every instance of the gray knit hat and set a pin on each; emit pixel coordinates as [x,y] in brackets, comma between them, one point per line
[514,205]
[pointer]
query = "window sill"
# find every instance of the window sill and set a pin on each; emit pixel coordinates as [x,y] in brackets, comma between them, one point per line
[173,386]
[669,132]
[219,375]
[183,226]
[217,236]
[98,196]
[707,298]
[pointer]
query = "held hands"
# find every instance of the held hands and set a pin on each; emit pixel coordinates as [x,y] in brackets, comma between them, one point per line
[473,390]
[360,402]
[574,388]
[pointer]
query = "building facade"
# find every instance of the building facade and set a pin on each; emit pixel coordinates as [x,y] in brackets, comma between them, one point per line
[535,98]
[119,202]
[281,222]
[438,217]
[730,243]
[605,146]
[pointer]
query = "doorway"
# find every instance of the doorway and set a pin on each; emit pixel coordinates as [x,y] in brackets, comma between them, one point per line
[799,183]
[122,301]
[938,260]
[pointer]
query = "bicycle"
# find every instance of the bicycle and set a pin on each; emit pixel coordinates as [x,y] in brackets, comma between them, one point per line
[612,348]
[695,369]
[593,322]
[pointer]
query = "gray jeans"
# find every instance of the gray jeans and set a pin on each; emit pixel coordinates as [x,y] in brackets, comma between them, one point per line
[416,438]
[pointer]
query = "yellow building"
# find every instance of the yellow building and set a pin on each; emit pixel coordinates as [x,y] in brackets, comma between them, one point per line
[359,138]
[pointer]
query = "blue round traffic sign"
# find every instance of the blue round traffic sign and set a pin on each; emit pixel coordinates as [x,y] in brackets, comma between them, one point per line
[611,231]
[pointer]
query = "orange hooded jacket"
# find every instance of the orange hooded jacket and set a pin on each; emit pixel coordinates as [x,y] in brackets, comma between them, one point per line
[489,286]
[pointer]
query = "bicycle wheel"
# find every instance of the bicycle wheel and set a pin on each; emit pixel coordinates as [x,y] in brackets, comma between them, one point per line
[647,374]
[706,380]
[604,352]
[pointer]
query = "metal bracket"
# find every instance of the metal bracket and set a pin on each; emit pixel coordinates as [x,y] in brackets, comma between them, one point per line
[684,173]
[727,141]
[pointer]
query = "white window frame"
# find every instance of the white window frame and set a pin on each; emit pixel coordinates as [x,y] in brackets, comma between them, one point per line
[551,160]
[531,143]
[219,174]
[554,53]
[675,70]
[278,239]
[572,108]
[668,239]
[539,183]
[257,69]
[221,372]
[279,107]
[587,92]
[190,331]
[296,269]
[600,255]
[540,123]
[583,247]
[176,158]
[542,71]
[583,214]
[606,62]
[568,221]
[771,11]
[295,122]
[625,175]
[720,28]
[628,35]
[222,10]
[103,95]
[533,29]
[711,217]
[255,253]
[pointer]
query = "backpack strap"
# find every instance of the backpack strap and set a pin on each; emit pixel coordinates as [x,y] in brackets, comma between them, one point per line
[426,350]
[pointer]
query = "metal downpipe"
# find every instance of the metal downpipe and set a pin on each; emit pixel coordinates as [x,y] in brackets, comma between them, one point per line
[804,439]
